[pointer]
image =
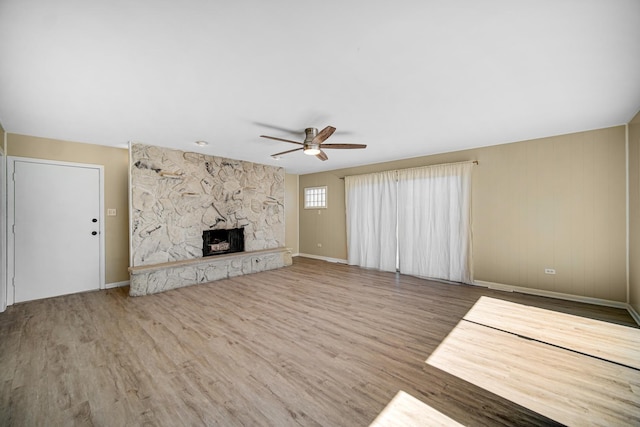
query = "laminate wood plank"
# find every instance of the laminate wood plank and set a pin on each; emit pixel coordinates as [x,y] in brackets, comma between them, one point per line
[5,400]
[617,343]
[9,357]
[571,388]
[314,344]
[126,365]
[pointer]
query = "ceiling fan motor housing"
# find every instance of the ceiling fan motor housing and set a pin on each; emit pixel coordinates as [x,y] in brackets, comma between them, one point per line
[310,134]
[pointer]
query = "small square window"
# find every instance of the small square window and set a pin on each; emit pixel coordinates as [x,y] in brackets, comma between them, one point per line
[315,197]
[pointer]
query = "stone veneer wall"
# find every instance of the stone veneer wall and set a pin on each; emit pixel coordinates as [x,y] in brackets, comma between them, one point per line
[175,195]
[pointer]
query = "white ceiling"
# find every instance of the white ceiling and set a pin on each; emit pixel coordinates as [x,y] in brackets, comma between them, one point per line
[406,77]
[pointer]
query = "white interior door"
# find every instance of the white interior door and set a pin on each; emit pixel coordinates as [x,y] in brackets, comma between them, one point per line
[56,229]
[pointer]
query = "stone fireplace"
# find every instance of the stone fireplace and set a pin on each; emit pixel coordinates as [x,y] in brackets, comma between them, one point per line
[175,195]
[218,242]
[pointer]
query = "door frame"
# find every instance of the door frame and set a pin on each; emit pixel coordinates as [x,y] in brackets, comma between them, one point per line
[11,161]
[3,225]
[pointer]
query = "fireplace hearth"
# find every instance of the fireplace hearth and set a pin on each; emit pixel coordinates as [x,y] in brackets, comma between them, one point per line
[218,242]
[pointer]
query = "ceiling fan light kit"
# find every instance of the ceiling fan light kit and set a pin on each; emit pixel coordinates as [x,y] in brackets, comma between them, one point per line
[312,150]
[313,143]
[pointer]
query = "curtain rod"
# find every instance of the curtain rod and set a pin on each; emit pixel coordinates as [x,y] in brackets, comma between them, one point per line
[475,162]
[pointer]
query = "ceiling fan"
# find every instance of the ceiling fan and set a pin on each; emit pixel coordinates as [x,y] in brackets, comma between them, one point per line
[314,143]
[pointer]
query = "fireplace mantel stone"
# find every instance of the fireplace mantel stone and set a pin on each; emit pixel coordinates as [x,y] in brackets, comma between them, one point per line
[151,279]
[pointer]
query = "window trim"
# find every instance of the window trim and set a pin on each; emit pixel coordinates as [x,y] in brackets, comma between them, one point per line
[319,187]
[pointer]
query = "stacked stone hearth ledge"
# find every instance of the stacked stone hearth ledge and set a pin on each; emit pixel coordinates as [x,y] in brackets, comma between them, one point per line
[151,279]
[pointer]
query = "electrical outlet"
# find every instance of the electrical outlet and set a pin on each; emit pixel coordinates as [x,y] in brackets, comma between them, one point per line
[549,271]
[111,212]
[319,245]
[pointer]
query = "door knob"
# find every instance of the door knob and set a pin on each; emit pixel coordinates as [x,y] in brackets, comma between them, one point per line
[93,233]
[94,220]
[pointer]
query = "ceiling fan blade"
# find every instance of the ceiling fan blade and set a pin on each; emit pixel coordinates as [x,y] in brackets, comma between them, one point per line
[322,156]
[323,135]
[288,151]
[298,132]
[280,139]
[344,145]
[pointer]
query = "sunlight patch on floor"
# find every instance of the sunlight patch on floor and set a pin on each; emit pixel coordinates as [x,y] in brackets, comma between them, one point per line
[564,367]
[617,343]
[405,410]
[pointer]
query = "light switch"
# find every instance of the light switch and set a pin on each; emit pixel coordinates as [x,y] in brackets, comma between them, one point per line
[111,212]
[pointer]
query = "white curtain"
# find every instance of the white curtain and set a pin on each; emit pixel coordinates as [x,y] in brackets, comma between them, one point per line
[371,202]
[417,221]
[434,224]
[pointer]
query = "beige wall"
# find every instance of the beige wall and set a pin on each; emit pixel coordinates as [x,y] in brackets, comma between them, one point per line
[323,231]
[115,162]
[291,212]
[556,202]
[634,213]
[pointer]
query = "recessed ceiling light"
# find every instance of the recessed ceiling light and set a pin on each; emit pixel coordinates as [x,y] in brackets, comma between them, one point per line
[202,143]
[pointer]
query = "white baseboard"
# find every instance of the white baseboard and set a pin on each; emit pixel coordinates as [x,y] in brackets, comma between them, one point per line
[633,314]
[324,258]
[550,294]
[116,284]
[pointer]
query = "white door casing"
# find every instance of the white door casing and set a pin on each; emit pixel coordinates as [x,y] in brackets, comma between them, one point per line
[3,228]
[54,209]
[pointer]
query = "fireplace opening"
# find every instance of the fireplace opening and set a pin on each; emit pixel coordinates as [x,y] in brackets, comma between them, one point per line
[217,242]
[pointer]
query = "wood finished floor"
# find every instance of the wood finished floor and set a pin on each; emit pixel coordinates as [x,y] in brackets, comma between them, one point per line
[546,369]
[314,344]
